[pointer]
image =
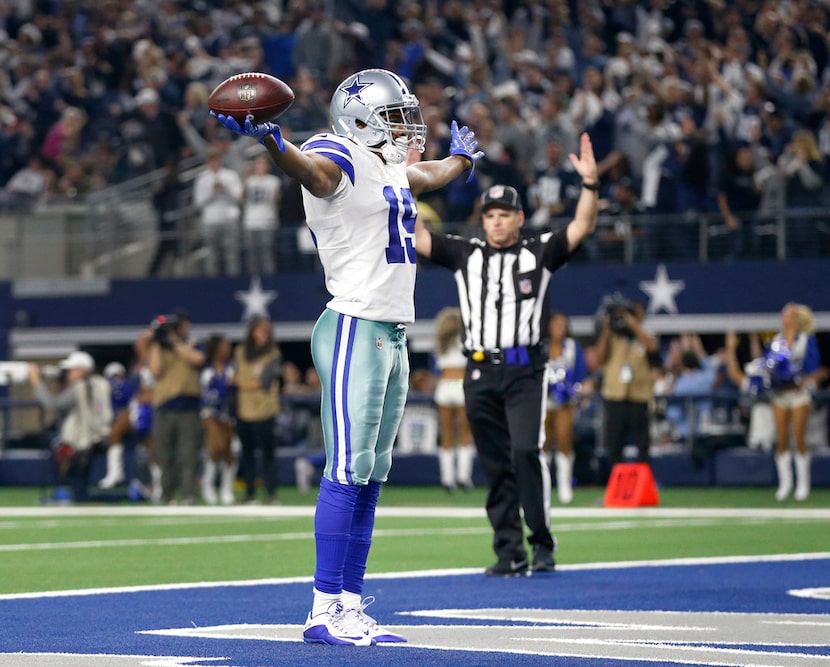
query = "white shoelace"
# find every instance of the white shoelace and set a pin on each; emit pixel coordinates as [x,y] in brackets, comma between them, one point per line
[348,622]
[361,619]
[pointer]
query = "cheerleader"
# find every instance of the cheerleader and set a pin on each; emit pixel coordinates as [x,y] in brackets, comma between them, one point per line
[565,372]
[455,457]
[215,381]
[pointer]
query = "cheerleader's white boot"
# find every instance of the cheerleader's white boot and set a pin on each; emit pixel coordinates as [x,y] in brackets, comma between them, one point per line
[784,466]
[446,468]
[564,477]
[209,483]
[465,454]
[802,476]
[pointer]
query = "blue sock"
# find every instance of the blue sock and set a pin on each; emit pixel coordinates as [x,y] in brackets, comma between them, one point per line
[332,528]
[363,523]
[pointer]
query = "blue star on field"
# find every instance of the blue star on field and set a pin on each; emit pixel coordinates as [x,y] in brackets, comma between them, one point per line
[353,91]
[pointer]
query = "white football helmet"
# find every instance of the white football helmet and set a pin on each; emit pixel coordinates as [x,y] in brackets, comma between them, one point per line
[375,108]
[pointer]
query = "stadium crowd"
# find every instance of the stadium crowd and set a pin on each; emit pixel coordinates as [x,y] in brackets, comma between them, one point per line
[698,107]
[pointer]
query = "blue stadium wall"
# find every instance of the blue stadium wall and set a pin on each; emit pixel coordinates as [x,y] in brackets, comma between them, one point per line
[44,318]
[706,298]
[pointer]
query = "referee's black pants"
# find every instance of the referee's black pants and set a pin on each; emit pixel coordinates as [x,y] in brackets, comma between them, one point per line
[504,406]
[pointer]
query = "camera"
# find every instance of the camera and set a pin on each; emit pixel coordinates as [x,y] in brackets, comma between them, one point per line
[163,326]
[13,372]
[617,308]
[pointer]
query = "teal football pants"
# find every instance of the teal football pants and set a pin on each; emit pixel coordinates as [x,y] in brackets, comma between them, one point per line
[364,372]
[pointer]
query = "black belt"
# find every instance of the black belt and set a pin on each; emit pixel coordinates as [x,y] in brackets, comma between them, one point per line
[510,356]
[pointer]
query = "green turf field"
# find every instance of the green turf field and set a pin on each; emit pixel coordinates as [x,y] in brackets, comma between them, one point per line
[69,547]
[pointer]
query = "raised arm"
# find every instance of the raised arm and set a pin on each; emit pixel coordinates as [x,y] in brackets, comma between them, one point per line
[585,218]
[434,174]
[733,368]
[317,174]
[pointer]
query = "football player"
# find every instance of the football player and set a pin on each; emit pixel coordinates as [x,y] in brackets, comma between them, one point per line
[359,197]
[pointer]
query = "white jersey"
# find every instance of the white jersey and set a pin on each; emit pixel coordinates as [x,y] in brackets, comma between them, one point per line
[365,233]
[261,194]
[218,205]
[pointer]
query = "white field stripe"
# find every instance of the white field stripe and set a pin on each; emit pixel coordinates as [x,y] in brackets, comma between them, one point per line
[378,533]
[559,513]
[709,560]
[340,401]
[84,522]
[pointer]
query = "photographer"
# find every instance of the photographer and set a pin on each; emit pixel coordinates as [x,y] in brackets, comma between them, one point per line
[177,428]
[85,415]
[623,350]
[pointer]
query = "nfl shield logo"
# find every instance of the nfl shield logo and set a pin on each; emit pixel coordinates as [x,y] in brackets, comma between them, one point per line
[379,342]
[525,286]
[246,92]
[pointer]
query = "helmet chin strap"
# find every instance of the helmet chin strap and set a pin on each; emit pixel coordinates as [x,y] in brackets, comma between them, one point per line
[391,153]
[394,152]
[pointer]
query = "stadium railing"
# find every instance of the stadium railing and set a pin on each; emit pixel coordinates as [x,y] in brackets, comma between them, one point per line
[114,235]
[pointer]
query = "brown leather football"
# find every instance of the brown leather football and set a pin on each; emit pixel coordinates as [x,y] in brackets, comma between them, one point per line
[252,93]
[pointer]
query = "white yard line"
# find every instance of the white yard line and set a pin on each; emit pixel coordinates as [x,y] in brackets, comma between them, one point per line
[405,512]
[716,560]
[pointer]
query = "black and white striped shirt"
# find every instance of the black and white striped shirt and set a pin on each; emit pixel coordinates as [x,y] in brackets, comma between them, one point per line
[502,292]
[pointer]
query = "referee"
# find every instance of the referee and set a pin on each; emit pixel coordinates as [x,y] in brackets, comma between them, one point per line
[503,293]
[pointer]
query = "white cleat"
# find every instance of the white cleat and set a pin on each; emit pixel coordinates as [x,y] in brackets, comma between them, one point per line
[335,628]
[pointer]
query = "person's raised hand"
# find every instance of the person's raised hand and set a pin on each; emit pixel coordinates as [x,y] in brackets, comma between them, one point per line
[463,142]
[585,163]
[258,131]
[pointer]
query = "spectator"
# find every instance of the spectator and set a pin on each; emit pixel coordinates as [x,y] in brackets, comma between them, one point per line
[309,112]
[167,205]
[556,188]
[696,379]
[803,171]
[64,140]
[260,216]
[257,371]
[318,47]
[174,362]
[159,137]
[85,416]
[624,209]
[217,195]
[216,381]
[739,195]
[26,186]
[624,350]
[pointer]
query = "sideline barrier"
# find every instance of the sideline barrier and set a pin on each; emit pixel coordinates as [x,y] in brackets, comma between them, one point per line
[631,485]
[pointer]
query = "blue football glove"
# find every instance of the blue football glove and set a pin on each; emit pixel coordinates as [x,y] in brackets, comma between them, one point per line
[258,131]
[464,142]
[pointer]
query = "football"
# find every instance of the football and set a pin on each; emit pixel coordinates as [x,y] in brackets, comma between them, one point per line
[253,93]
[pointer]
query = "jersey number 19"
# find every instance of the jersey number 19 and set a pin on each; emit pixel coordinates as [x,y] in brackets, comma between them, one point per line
[400,251]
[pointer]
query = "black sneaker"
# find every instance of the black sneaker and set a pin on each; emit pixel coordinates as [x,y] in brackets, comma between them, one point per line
[543,560]
[508,568]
